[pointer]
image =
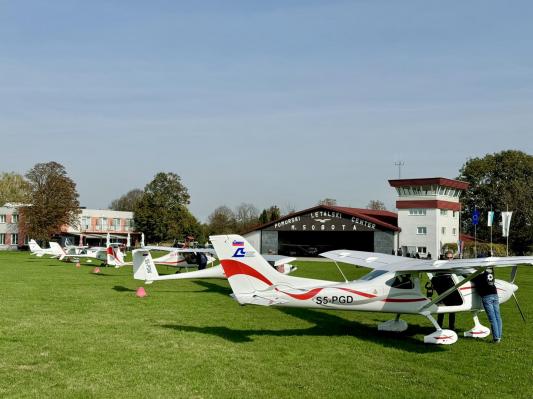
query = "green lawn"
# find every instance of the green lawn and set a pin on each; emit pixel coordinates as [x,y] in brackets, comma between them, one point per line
[66,332]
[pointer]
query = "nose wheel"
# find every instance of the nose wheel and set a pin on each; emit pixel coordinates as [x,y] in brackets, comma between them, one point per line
[479,330]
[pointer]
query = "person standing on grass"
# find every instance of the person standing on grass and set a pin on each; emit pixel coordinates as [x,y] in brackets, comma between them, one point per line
[486,288]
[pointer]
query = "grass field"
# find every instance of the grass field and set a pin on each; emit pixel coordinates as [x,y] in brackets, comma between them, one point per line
[66,332]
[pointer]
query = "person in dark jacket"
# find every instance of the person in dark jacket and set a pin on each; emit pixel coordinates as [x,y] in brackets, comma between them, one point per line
[201,259]
[486,288]
[441,282]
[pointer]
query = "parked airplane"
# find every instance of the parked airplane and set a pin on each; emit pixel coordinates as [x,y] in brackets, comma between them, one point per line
[393,285]
[144,268]
[55,250]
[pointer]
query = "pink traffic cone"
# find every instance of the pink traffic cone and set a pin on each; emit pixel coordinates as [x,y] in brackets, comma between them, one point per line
[78,265]
[96,270]
[141,292]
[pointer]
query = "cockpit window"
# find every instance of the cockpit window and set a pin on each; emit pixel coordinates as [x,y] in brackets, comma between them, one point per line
[373,274]
[402,281]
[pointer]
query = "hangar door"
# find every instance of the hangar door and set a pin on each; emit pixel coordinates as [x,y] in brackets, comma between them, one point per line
[311,243]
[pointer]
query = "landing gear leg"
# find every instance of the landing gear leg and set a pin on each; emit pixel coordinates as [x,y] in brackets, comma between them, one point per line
[395,325]
[479,330]
[440,337]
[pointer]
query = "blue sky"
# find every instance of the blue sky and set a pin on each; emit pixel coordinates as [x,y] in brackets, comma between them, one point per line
[266,102]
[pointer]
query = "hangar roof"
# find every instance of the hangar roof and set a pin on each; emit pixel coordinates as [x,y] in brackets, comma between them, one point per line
[385,219]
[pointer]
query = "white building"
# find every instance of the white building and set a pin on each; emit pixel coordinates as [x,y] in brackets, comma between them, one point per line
[10,237]
[428,214]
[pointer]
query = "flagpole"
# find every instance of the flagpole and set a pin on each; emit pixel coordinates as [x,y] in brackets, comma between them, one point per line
[508,231]
[491,223]
[475,236]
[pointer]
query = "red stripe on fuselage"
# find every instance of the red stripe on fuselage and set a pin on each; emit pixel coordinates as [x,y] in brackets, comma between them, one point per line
[232,267]
[304,296]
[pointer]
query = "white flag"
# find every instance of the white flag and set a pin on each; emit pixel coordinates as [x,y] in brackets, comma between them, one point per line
[128,241]
[490,218]
[506,223]
[142,240]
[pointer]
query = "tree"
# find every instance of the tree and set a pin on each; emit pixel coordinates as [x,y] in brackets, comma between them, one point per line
[13,188]
[376,205]
[161,213]
[222,221]
[500,181]
[246,216]
[328,202]
[127,202]
[270,214]
[53,201]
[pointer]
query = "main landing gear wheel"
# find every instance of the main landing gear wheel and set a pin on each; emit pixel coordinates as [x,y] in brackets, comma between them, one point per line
[395,325]
[439,337]
[478,331]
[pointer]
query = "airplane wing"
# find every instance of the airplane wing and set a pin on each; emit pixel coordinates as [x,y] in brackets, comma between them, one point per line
[181,250]
[398,263]
[279,259]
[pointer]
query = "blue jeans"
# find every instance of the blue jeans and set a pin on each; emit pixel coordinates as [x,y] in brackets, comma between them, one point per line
[492,307]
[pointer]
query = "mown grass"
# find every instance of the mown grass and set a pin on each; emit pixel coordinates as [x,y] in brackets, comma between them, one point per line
[66,332]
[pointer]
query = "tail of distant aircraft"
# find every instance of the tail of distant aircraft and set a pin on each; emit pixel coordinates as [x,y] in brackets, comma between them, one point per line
[144,266]
[247,271]
[115,257]
[35,248]
[56,250]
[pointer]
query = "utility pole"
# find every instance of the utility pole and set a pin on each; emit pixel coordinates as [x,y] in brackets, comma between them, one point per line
[399,164]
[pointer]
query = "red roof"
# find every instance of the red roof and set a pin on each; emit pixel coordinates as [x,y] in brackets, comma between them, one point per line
[385,219]
[441,181]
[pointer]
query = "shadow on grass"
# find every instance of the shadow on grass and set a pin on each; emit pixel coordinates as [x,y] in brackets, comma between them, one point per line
[121,288]
[326,325]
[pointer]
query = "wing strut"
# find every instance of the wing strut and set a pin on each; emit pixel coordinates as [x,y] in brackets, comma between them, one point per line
[452,289]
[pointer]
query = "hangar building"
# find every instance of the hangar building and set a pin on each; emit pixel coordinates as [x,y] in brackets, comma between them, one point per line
[324,228]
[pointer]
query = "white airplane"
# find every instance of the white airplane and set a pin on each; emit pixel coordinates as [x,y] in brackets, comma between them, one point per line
[55,250]
[144,267]
[175,256]
[393,285]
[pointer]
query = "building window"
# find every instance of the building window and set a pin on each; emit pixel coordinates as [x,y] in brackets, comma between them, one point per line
[26,240]
[2,239]
[85,222]
[422,230]
[2,218]
[14,239]
[129,224]
[443,212]
[443,230]
[454,231]
[14,218]
[116,224]
[417,212]
[421,250]
[103,223]
[454,214]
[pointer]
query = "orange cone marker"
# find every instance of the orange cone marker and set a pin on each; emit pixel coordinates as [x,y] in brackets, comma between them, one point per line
[141,292]
[78,265]
[96,270]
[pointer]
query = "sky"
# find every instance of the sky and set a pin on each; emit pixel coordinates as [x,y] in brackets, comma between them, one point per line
[263,102]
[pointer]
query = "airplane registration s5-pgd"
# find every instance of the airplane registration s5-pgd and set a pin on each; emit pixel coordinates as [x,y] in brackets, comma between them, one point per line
[393,285]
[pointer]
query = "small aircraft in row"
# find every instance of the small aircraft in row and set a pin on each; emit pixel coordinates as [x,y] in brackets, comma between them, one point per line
[392,285]
[55,250]
[148,273]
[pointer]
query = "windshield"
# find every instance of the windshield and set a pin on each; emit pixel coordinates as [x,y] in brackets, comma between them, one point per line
[373,274]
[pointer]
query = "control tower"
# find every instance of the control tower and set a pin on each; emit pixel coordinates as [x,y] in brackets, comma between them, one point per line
[428,214]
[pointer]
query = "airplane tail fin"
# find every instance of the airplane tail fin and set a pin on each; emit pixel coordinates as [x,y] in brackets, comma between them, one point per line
[34,247]
[115,257]
[247,271]
[144,266]
[57,250]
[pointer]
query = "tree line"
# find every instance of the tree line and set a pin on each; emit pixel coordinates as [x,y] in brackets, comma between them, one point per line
[498,182]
